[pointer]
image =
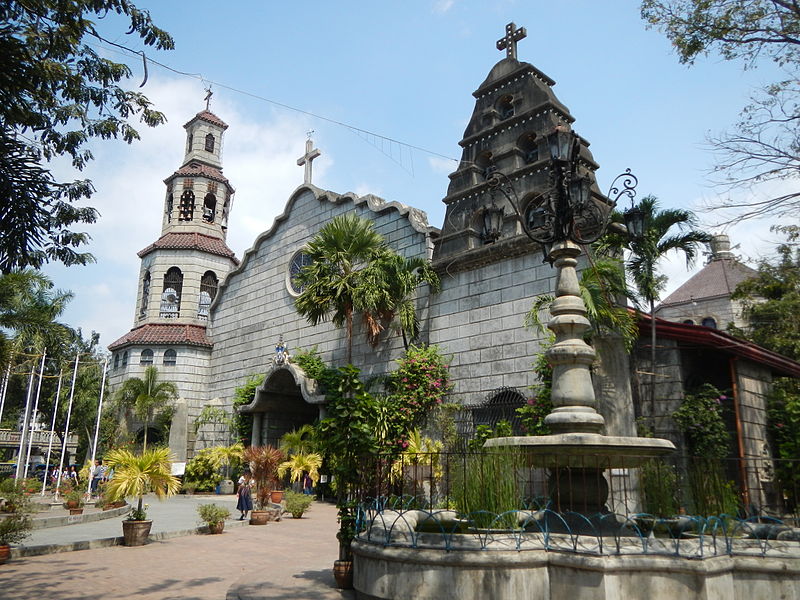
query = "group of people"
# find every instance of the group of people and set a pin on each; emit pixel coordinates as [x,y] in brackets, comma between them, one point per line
[68,474]
[244,504]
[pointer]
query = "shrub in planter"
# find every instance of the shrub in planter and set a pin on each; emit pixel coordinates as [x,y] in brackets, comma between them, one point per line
[203,470]
[17,524]
[214,516]
[297,504]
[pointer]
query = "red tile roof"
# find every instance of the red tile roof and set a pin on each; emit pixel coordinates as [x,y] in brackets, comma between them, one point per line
[195,168]
[191,241]
[163,333]
[718,278]
[207,115]
[695,336]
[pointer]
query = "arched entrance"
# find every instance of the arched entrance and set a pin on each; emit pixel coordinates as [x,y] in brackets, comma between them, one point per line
[286,400]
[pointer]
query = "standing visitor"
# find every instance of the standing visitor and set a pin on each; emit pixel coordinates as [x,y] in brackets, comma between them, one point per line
[245,502]
[98,473]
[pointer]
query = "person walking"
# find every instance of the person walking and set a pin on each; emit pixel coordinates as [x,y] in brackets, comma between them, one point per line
[98,473]
[245,502]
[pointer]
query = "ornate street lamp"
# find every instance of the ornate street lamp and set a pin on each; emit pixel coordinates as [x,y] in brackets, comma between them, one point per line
[492,222]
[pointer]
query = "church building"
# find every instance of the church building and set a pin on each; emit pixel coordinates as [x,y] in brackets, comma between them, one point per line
[209,320]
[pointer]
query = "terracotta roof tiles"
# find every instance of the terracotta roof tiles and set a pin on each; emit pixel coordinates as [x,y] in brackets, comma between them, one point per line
[164,333]
[191,241]
[207,115]
[718,278]
[194,168]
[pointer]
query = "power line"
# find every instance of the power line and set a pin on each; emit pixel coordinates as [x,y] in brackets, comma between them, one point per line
[364,134]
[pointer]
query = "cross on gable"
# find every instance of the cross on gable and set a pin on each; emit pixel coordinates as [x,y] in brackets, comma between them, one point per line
[307,159]
[509,42]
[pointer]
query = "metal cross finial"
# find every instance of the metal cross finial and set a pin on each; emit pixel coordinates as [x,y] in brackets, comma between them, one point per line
[209,93]
[509,42]
[308,158]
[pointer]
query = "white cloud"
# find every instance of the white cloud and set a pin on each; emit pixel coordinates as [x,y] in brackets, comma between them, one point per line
[442,6]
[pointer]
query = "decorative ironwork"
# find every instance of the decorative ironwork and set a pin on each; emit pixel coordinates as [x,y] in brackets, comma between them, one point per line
[624,184]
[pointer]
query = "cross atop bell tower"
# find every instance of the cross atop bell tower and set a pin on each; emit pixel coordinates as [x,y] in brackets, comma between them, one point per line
[509,41]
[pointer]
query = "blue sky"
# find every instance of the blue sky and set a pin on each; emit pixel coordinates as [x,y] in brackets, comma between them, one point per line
[404,72]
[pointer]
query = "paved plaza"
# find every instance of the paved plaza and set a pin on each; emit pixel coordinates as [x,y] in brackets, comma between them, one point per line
[288,559]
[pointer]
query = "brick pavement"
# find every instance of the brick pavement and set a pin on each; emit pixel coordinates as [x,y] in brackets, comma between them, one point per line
[289,559]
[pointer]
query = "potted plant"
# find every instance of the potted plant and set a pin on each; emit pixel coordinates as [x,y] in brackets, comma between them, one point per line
[213,516]
[299,464]
[264,462]
[73,500]
[16,524]
[297,504]
[134,476]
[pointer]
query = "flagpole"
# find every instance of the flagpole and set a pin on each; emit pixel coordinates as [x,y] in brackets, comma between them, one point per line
[5,388]
[97,425]
[52,431]
[26,416]
[66,425]
[35,414]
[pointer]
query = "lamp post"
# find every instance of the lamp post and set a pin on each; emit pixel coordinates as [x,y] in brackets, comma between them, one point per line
[561,220]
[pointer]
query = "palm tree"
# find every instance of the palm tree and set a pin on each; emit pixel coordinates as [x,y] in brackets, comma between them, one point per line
[264,462]
[137,474]
[298,441]
[299,464]
[29,307]
[332,283]
[389,284]
[146,396]
[644,254]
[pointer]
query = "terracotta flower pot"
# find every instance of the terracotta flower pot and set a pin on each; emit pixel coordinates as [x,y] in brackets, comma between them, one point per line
[216,527]
[343,574]
[259,517]
[5,553]
[76,511]
[136,532]
[70,504]
[276,496]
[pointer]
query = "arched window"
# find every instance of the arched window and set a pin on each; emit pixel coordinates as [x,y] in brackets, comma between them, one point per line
[146,358]
[688,322]
[125,358]
[710,322]
[529,146]
[145,295]
[484,162]
[116,360]
[209,208]
[500,405]
[170,358]
[505,107]
[171,296]
[186,208]
[208,291]
[168,208]
[209,143]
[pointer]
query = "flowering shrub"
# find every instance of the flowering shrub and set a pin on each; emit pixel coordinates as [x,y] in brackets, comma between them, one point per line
[421,382]
[540,405]
[700,420]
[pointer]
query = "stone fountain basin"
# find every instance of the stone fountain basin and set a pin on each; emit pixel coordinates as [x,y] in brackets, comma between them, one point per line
[585,450]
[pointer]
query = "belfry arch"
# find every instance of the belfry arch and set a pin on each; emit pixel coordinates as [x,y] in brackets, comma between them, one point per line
[286,400]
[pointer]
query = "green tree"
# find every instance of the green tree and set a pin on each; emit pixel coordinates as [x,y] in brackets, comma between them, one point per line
[56,94]
[763,144]
[146,397]
[389,286]
[333,282]
[665,231]
[771,299]
[29,309]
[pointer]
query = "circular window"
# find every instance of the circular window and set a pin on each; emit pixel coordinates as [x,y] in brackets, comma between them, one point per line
[299,260]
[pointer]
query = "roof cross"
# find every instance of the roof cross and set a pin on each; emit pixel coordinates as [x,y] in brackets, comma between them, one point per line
[509,41]
[209,93]
[308,158]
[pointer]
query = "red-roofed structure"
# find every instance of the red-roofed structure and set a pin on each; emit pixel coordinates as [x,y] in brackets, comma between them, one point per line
[208,116]
[162,333]
[190,241]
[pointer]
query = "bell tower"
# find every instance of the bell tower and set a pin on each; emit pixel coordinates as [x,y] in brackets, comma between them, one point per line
[179,277]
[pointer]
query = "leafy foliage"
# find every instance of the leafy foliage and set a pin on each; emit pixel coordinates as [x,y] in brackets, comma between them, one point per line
[783,411]
[540,405]
[421,382]
[147,396]
[300,463]
[485,491]
[771,300]
[700,419]
[763,145]
[244,395]
[56,94]
[264,462]
[212,514]
[137,474]
[203,470]
[297,504]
